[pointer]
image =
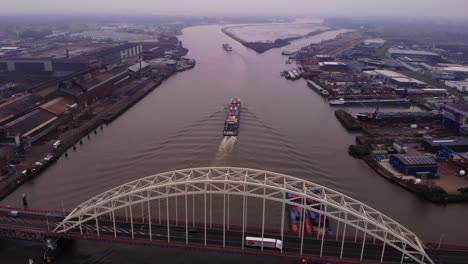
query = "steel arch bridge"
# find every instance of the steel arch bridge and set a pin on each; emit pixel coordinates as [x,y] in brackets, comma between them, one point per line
[251,183]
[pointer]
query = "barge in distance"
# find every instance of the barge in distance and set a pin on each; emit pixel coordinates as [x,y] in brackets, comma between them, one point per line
[397,101]
[227,47]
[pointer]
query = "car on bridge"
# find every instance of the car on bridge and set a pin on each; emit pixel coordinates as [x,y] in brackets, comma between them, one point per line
[13,213]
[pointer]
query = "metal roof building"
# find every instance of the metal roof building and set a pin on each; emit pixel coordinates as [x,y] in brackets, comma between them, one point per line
[457,145]
[414,164]
[393,52]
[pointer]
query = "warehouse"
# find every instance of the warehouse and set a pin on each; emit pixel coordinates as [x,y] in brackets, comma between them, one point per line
[456,117]
[333,66]
[414,164]
[395,78]
[459,145]
[28,128]
[393,52]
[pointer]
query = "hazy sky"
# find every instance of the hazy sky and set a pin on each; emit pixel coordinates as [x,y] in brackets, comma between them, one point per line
[455,8]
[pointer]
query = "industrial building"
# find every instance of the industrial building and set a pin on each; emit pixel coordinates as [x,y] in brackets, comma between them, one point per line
[414,164]
[323,57]
[459,145]
[456,117]
[461,86]
[39,68]
[333,66]
[25,130]
[395,78]
[394,53]
[115,54]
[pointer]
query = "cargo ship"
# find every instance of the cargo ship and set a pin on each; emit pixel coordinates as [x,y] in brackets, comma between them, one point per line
[231,123]
[313,222]
[296,217]
[227,47]
[397,101]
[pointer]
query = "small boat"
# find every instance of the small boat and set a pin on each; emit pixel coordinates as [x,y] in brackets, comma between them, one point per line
[292,75]
[298,75]
[227,47]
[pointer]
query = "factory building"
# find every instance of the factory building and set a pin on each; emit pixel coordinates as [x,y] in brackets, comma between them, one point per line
[25,130]
[456,117]
[333,66]
[395,78]
[459,145]
[414,164]
[461,86]
[114,54]
[394,53]
[39,68]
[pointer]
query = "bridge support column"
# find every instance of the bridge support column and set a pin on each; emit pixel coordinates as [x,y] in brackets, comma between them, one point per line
[113,222]
[338,228]
[228,211]
[282,220]
[343,237]
[97,224]
[224,218]
[126,213]
[303,223]
[186,215]
[204,218]
[79,219]
[176,211]
[383,247]
[263,214]
[193,207]
[211,209]
[323,232]
[355,234]
[243,217]
[142,213]
[149,218]
[363,242]
[167,219]
[159,210]
[131,222]
[403,253]
[320,221]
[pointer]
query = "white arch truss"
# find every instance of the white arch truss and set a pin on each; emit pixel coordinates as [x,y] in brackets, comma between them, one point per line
[258,184]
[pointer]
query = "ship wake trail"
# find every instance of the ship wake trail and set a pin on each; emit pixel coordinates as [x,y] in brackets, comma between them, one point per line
[225,149]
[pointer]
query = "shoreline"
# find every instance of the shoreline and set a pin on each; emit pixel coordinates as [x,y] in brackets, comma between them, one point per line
[74,136]
[261,47]
[422,192]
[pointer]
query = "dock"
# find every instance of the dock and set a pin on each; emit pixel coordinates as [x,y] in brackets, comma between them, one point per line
[348,121]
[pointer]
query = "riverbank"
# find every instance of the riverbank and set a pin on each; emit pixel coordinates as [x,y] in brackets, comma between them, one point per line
[81,127]
[261,47]
[432,193]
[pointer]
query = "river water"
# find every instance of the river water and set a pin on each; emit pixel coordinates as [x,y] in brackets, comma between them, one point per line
[286,127]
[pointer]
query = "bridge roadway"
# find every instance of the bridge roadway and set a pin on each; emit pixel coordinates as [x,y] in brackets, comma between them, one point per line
[195,237]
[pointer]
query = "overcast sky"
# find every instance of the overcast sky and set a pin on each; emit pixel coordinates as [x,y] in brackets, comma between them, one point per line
[439,8]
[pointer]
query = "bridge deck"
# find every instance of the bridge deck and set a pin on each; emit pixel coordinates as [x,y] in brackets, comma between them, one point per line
[194,237]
